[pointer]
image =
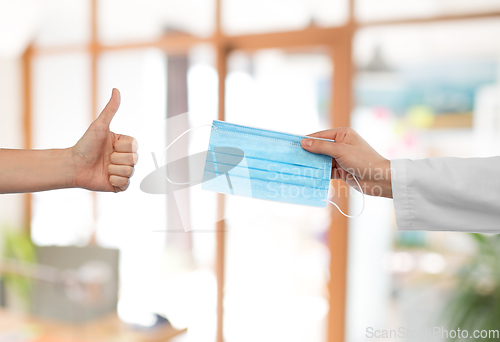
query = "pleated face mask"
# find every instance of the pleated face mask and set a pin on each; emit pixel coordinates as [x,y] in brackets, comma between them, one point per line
[264,164]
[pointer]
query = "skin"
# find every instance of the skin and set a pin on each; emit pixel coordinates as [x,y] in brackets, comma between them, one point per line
[100,161]
[353,156]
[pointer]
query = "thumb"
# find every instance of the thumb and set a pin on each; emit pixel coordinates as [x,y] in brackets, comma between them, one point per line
[317,146]
[111,108]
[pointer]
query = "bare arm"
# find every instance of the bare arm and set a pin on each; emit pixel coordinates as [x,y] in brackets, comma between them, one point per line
[35,170]
[100,161]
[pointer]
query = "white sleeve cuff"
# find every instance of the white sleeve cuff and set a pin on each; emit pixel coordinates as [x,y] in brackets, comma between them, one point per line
[401,194]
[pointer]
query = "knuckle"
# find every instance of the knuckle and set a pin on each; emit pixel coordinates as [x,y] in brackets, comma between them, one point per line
[318,144]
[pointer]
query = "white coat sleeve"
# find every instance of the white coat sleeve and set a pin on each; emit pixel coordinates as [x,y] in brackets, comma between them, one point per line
[450,194]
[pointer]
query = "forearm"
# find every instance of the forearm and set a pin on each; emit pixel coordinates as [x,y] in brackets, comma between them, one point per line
[375,179]
[35,170]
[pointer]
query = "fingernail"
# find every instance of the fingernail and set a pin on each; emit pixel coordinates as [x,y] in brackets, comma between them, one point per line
[307,142]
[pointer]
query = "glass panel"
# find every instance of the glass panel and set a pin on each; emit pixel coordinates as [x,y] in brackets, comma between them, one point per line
[19,21]
[418,43]
[421,91]
[140,77]
[138,20]
[193,290]
[244,16]
[61,114]
[64,22]
[163,268]
[277,257]
[127,221]
[367,10]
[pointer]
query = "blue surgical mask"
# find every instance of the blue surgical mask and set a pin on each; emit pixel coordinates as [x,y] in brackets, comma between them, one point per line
[264,164]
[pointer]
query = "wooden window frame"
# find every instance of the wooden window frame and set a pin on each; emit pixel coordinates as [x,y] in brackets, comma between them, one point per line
[338,43]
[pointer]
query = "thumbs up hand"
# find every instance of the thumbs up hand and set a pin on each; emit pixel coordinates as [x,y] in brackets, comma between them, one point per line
[104,161]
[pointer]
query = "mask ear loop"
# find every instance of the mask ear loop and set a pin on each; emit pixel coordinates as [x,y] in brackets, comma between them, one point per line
[363,197]
[173,142]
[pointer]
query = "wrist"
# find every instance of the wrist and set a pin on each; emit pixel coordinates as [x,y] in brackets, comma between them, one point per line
[70,174]
[385,181]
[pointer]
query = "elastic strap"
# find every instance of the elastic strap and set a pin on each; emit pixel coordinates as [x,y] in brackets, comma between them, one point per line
[212,125]
[363,197]
[180,136]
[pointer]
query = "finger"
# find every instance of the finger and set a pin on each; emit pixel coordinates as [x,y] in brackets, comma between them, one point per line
[323,147]
[119,158]
[121,170]
[126,144]
[119,182]
[111,108]
[331,134]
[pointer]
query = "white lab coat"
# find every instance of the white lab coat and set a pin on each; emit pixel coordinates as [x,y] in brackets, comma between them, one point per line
[451,194]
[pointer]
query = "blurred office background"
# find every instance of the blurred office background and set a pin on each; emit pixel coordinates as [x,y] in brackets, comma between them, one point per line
[424,77]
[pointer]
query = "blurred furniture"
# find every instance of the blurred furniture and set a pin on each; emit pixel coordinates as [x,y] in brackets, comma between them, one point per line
[74,299]
[13,327]
[86,287]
